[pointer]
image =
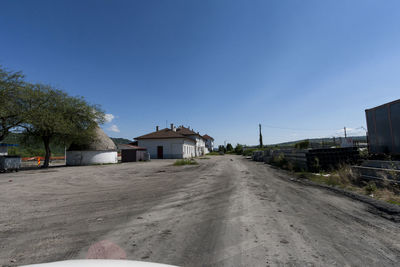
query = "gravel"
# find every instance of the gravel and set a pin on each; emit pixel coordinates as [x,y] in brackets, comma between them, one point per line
[226,211]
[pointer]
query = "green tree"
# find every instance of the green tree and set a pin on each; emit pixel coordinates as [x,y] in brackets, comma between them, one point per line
[221,148]
[239,149]
[57,117]
[229,147]
[13,101]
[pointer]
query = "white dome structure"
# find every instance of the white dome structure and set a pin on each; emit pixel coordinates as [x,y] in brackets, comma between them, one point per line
[100,150]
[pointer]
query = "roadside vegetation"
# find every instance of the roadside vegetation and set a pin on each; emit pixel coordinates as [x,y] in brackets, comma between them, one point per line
[345,178]
[181,162]
[214,153]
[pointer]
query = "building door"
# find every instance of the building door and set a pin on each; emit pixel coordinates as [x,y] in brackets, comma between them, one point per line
[160,152]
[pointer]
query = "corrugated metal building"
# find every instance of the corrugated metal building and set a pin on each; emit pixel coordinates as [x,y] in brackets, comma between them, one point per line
[383,124]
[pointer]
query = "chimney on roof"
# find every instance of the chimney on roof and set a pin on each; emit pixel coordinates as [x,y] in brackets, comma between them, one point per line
[157,128]
[173,128]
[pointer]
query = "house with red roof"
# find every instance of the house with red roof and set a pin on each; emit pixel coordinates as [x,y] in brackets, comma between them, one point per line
[173,143]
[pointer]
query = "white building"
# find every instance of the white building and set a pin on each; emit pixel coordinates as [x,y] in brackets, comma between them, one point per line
[100,150]
[200,146]
[209,143]
[173,143]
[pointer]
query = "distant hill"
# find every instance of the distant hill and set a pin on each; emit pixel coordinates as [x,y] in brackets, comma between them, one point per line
[316,142]
[119,141]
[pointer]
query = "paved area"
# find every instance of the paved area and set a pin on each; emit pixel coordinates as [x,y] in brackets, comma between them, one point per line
[226,211]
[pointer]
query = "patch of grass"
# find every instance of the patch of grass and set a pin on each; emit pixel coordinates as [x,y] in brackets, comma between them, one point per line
[387,195]
[214,153]
[204,158]
[313,177]
[181,162]
[391,201]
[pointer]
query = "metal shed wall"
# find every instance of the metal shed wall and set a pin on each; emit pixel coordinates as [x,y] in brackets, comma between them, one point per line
[128,155]
[133,155]
[383,123]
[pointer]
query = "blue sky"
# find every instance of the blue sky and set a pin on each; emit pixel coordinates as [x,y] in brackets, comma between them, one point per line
[300,68]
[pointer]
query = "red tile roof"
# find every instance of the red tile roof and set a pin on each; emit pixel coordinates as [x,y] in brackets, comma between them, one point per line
[185,131]
[162,134]
[206,136]
[180,132]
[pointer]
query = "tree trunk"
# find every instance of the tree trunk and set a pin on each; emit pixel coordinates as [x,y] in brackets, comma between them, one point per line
[46,141]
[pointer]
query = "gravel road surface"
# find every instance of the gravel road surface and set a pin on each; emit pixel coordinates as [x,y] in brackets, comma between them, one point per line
[226,211]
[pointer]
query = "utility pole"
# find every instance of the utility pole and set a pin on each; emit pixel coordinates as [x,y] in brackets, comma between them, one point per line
[261,142]
[345,134]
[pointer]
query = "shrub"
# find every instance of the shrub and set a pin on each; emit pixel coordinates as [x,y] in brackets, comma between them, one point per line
[370,188]
[249,152]
[181,162]
[347,176]
[280,161]
[302,144]
[229,147]
[239,149]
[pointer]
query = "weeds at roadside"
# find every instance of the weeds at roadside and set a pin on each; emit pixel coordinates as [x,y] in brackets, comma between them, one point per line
[392,201]
[345,178]
[214,153]
[370,188]
[181,162]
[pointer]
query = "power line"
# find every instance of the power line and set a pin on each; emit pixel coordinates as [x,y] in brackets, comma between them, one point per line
[295,129]
[308,129]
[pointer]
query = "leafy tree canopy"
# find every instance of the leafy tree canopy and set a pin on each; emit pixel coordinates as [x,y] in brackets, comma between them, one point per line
[239,149]
[229,147]
[56,116]
[45,113]
[12,101]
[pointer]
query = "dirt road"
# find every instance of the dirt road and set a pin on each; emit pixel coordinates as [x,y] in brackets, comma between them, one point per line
[226,211]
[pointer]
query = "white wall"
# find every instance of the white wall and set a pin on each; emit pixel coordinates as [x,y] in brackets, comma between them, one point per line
[200,145]
[210,144]
[190,150]
[173,148]
[76,158]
